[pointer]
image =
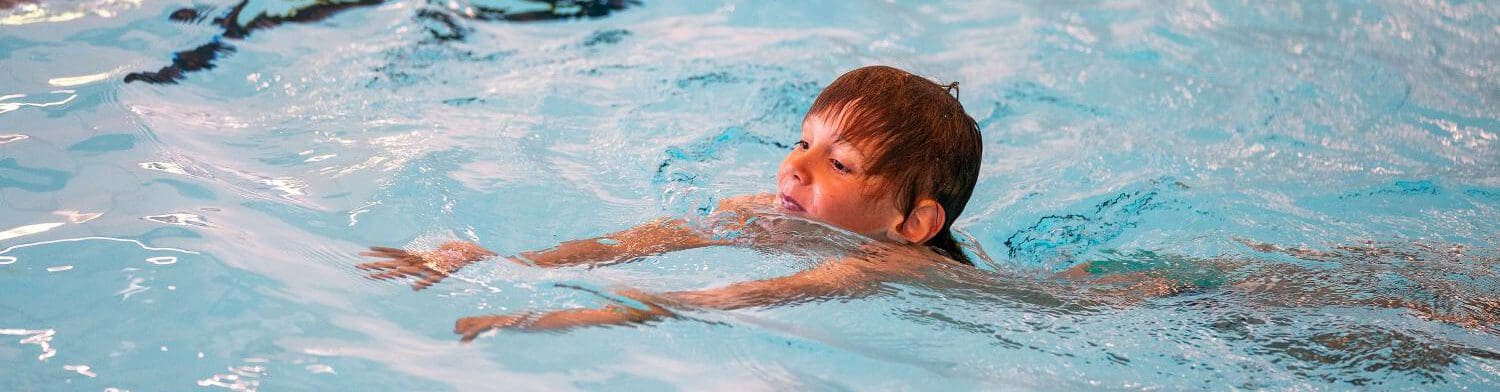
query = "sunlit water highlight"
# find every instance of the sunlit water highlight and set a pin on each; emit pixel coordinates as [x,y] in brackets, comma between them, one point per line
[1339,161]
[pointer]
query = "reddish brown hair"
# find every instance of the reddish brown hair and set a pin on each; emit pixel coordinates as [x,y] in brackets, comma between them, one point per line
[920,141]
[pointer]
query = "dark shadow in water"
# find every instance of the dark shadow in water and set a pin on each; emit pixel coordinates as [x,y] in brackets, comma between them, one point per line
[31,179]
[195,59]
[1065,236]
[442,23]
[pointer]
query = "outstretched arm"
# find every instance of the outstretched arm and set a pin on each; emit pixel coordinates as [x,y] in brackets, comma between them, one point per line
[836,279]
[652,238]
[430,267]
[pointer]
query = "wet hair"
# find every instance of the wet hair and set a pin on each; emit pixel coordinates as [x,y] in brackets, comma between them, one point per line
[920,141]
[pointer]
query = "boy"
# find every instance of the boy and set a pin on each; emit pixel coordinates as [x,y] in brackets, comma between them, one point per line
[883,153]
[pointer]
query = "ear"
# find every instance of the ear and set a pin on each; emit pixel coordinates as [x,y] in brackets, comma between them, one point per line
[922,223]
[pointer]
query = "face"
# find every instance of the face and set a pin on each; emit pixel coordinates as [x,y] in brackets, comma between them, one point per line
[822,178]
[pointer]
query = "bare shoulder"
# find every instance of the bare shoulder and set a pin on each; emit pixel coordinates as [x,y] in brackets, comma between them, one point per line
[744,202]
[896,259]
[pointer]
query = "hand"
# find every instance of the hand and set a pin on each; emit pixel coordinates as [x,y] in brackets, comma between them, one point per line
[428,267]
[471,327]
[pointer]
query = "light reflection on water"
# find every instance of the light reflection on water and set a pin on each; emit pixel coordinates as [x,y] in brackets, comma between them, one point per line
[1323,176]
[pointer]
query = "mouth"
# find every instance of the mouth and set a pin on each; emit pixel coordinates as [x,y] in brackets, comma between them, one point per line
[790,205]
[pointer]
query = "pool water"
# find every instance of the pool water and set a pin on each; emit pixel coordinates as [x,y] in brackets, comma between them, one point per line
[197,226]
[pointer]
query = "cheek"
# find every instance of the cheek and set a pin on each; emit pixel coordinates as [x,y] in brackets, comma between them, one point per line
[843,208]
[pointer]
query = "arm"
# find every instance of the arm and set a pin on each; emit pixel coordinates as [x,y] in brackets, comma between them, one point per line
[838,279]
[653,238]
[430,267]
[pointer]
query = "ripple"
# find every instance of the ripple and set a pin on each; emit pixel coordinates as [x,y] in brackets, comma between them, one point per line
[6,107]
[40,337]
[138,243]
[70,81]
[76,217]
[179,219]
[168,167]
[80,369]
[30,13]
[28,230]
[243,378]
[320,369]
[132,288]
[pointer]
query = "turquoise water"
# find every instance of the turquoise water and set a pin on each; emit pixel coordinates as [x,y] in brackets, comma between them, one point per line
[1339,160]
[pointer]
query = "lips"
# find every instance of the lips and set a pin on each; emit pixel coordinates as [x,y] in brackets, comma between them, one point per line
[791,205]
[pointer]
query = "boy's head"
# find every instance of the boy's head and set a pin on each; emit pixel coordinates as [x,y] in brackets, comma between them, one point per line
[886,154]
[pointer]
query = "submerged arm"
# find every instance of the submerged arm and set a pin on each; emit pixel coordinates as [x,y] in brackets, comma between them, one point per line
[430,267]
[837,279]
[653,238]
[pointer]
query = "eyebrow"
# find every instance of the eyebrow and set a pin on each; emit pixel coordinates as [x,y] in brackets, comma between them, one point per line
[838,138]
[852,149]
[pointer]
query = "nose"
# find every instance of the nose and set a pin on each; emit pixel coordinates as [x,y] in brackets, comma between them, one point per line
[795,169]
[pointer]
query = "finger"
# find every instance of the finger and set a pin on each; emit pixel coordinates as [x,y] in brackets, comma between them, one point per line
[383,249]
[386,252]
[393,274]
[381,255]
[380,265]
[429,280]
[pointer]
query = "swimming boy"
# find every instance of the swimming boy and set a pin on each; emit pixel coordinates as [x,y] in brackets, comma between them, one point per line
[883,153]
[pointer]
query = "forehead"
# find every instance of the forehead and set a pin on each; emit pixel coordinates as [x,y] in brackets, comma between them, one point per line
[829,127]
[841,131]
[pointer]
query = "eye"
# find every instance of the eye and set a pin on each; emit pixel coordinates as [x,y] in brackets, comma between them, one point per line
[802,144]
[839,166]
